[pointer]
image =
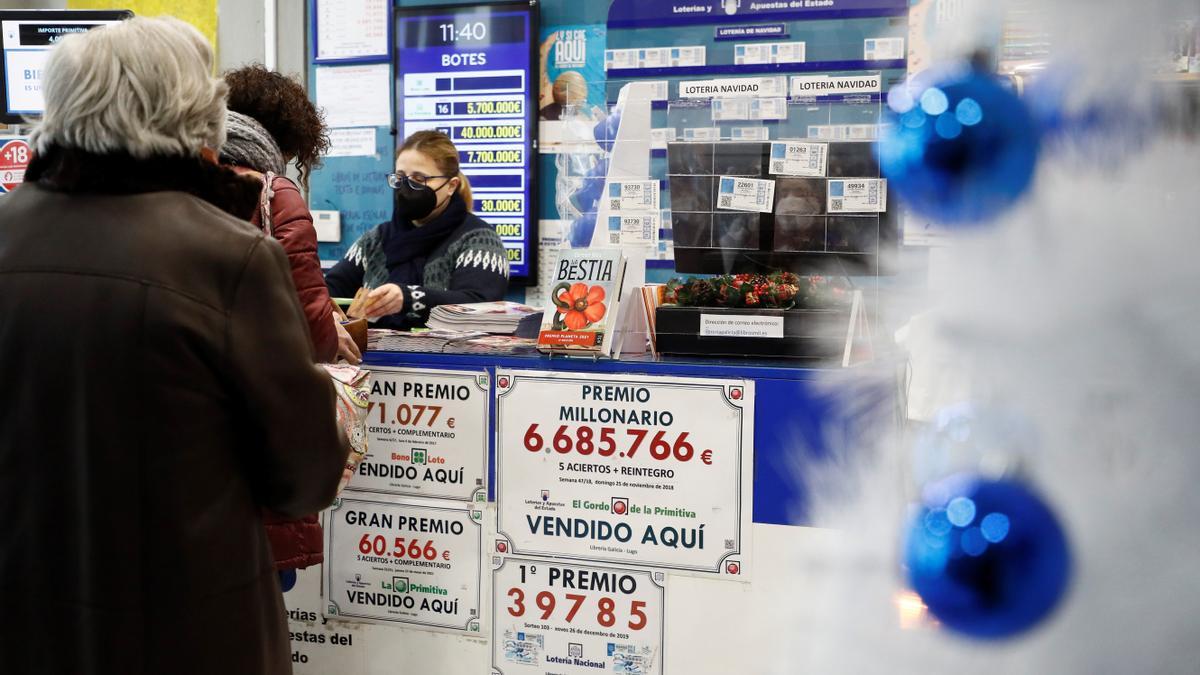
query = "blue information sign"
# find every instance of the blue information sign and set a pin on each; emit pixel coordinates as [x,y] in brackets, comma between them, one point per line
[470,72]
[765,31]
[642,14]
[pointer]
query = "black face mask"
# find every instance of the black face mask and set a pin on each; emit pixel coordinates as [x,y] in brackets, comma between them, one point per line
[415,203]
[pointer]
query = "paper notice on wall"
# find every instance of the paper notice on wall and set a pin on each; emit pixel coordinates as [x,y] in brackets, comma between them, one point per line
[15,156]
[356,142]
[351,29]
[355,96]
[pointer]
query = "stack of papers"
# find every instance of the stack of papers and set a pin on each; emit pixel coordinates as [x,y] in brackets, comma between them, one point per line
[492,344]
[501,318]
[433,341]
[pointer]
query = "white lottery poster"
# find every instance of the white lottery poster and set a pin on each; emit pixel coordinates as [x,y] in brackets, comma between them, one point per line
[427,434]
[553,618]
[403,564]
[641,470]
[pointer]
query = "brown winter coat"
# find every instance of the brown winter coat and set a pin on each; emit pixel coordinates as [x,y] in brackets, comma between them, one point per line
[160,393]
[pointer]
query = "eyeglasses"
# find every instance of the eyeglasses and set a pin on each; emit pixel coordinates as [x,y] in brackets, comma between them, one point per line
[416,182]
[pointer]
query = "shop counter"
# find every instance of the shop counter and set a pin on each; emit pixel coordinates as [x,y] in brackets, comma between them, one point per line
[800,412]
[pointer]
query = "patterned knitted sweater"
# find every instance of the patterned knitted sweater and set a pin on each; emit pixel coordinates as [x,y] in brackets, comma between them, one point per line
[469,266]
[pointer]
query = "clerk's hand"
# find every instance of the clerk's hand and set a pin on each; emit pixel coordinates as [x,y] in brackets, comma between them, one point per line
[385,300]
[347,349]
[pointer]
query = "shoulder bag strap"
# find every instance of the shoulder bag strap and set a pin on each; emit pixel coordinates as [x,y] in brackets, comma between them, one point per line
[264,203]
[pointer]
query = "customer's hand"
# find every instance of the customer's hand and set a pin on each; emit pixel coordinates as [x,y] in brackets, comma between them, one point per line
[347,348]
[385,300]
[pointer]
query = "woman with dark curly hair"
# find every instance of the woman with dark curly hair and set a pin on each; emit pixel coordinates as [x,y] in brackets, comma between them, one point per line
[271,122]
[282,107]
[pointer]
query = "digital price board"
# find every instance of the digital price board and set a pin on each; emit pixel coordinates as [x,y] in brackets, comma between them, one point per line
[26,37]
[470,71]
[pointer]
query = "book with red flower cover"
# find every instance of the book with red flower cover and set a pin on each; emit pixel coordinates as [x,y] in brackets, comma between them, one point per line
[585,292]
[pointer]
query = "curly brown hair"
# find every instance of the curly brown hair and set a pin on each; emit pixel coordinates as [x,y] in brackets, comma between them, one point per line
[281,105]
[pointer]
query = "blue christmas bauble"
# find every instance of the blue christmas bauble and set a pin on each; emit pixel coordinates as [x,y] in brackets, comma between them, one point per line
[580,233]
[585,198]
[972,437]
[1102,128]
[605,131]
[987,557]
[959,147]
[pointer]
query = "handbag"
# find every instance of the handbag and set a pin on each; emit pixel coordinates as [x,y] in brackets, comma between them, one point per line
[351,384]
[353,388]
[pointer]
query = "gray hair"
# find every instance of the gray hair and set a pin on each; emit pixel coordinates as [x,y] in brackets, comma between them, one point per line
[143,87]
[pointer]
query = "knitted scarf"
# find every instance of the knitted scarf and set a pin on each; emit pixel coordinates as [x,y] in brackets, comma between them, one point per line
[407,246]
[249,145]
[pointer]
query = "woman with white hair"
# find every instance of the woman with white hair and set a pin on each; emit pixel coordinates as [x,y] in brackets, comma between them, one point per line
[167,391]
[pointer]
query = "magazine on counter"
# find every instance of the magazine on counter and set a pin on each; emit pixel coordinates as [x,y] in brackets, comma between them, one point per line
[431,341]
[500,317]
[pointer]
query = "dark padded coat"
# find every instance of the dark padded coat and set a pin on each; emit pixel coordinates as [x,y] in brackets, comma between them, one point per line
[161,392]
